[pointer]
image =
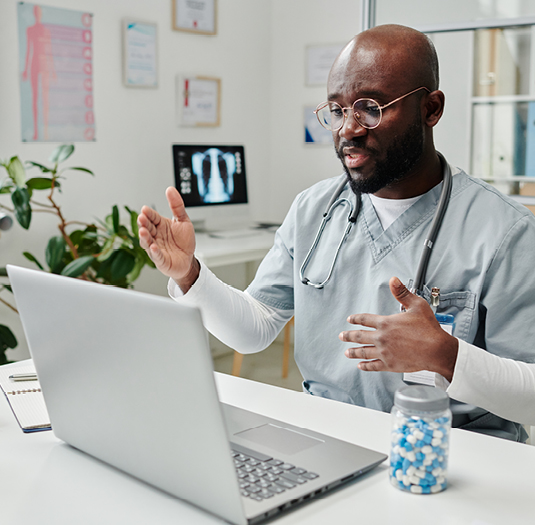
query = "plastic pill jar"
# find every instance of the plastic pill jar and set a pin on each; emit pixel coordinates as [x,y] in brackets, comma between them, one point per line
[421,425]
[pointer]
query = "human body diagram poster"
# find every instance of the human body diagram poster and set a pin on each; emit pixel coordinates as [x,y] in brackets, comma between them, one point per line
[56,74]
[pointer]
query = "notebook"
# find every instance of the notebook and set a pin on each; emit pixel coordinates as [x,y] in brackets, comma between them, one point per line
[127,377]
[25,398]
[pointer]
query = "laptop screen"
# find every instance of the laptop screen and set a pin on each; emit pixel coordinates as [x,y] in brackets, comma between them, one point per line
[210,174]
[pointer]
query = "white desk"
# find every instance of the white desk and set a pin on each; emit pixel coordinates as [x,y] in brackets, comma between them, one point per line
[220,252]
[43,481]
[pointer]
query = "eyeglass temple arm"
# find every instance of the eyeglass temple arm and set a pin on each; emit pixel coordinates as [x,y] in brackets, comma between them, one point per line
[403,96]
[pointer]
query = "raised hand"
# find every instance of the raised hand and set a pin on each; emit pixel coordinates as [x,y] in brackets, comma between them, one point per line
[170,243]
[404,342]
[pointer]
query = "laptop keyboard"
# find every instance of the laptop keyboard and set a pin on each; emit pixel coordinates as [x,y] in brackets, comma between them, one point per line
[261,477]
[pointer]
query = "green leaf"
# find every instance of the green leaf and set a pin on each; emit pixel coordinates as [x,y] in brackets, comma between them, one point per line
[23,211]
[107,250]
[31,258]
[55,250]
[44,169]
[7,338]
[40,183]
[16,171]
[81,169]
[78,266]
[115,218]
[6,186]
[61,153]
[133,221]
[122,264]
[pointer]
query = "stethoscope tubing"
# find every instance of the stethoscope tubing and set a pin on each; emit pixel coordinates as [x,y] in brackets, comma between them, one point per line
[352,218]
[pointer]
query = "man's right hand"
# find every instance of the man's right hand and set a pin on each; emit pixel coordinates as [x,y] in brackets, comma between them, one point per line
[170,243]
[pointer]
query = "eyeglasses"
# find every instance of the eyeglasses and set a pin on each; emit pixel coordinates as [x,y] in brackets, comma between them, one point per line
[366,111]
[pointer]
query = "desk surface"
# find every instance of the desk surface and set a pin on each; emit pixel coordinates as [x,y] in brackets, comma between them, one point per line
[491,481]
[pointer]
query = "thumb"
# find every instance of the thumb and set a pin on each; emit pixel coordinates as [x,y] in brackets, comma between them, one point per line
[176,204]
[402,295]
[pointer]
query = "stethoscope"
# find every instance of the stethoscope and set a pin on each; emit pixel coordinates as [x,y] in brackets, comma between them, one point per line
[352,219]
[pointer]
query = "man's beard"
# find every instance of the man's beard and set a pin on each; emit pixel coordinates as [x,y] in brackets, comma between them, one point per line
[401,157]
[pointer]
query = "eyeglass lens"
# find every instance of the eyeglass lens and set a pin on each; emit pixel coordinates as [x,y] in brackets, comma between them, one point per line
[367,113]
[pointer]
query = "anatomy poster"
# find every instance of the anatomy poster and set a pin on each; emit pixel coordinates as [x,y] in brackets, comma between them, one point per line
[56,74]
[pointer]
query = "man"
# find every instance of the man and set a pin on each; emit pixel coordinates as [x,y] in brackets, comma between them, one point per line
[482,259]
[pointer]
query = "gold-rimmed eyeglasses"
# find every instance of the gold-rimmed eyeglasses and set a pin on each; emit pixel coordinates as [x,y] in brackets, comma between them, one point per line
[366,111]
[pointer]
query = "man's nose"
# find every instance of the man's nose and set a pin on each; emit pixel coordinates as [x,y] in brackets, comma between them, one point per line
[350,127]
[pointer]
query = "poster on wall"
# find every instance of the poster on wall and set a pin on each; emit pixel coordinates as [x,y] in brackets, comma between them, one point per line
[56,74]
[199,100]
[315,133]
[319,60]
[139,54]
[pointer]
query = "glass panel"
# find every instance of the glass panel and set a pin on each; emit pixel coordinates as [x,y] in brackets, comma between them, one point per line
[427,12]
[502,61]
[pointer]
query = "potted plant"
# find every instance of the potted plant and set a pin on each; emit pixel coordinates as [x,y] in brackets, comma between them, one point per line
[104,251]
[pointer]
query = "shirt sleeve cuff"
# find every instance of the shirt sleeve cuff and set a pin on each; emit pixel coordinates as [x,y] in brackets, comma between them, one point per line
[177,294]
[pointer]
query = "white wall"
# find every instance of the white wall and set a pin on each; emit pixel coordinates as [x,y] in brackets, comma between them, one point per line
[296,24]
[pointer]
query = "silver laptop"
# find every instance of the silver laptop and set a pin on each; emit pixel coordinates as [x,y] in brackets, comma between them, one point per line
[127,377]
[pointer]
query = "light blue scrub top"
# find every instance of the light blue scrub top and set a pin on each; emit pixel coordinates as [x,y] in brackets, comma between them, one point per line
[483,261]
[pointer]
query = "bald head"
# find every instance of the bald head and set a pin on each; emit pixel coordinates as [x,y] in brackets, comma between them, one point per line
[397,54]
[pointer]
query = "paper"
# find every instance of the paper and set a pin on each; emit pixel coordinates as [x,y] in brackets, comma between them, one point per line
[25,398]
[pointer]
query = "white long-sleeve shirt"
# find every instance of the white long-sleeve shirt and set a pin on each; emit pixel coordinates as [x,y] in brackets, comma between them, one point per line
[502,386]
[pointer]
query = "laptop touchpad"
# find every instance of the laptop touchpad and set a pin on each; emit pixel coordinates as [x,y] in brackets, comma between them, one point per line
[279,439]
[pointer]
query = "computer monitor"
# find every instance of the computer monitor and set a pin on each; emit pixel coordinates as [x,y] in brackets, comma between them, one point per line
[212,182]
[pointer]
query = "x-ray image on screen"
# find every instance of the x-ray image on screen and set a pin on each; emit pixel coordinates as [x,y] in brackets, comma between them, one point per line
[206,175]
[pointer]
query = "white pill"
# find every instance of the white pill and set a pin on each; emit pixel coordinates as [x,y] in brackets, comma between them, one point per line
[420,474]
[440,480]
[418,434]
[406,481]
[394,482]
[436,488]
[411,456]
[411,470]
[426,462]
[438,434]
[415,480]
[399,474]
[416,489]
[427,449]
[411,438]
[402,452]
[435,442]
[431,456]
[437,472]
[395,449]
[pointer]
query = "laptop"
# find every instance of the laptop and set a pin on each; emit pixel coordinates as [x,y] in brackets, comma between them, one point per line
[127,377]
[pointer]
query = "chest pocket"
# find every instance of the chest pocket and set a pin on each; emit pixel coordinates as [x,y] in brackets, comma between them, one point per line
[462,305]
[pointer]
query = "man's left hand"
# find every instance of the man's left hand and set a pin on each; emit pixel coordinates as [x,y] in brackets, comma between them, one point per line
[406,342]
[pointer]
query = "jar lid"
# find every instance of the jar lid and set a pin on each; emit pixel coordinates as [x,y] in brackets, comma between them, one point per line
[421,398]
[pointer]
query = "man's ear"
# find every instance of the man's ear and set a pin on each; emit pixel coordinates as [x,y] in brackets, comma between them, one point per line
[433,108]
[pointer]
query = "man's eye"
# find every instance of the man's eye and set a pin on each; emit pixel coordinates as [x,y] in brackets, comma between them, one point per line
[336,112]
[372,109]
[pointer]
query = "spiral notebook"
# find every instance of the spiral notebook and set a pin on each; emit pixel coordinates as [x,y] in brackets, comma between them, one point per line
[25,398]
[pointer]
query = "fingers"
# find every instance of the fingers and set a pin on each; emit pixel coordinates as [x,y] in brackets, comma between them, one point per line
[176,204]
[369,320]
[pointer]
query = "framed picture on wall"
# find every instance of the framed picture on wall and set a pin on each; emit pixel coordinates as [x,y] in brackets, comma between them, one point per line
[140,60]
[198,100]
[319,60]
[315,133]
[199,16]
